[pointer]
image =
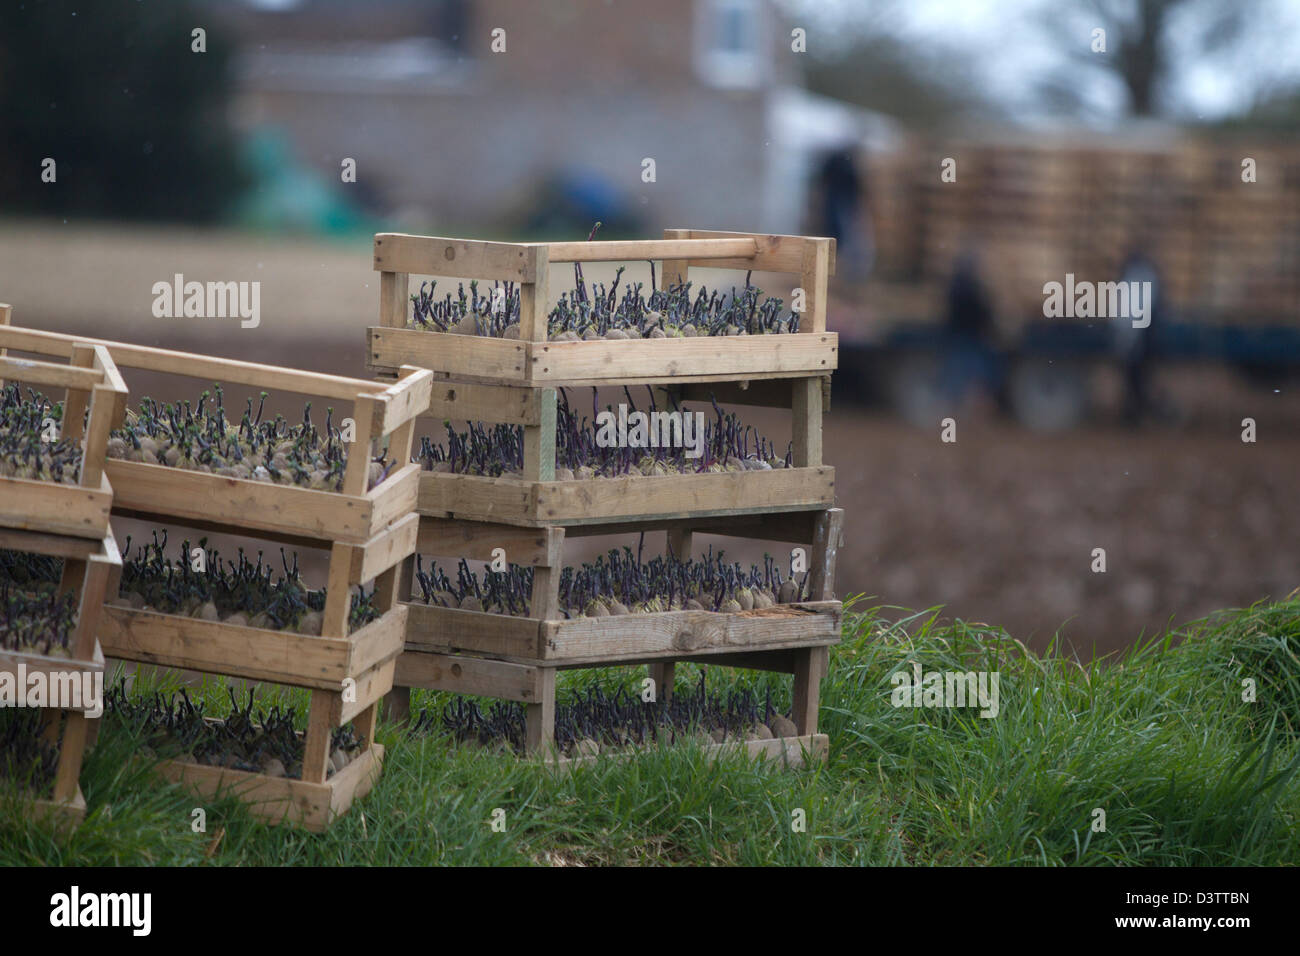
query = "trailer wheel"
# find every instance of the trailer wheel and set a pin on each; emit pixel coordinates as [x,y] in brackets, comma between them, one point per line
[915,387]
[1048,394]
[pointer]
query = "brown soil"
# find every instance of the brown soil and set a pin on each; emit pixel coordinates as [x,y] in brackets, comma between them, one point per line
[1000,526]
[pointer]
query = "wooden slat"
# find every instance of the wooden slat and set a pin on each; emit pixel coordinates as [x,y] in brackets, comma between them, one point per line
[544,601]
[338,597]
[810,668]
[394,299]
[71,749]
[705,358]
[609,500]
[280,657]
[775,253]
[539,730]
[825,548]
[462,258]
[469,675]
[539,440]
[322,718]
[507,404]
[687,631]
[6,315]
[385,549]
[231,371]
[95,441]
[365,724]
[629,639]
[356,477]
[52,508]
[404,400]
[48,374]
[625,251]
[52,667]
[114,382]
[77,400]
[812,279]
[534,301]
[279,537]
[790,752]
[664,675]
[379,641]
[446,629]
[806,422]
[490,358]
[703,656]
[681,542]
[394,497]
[237,504]
[98,571]
[54,545]
[675,271]
[640,361]
[446,538]
[370,689]
[506,500]
[354,781]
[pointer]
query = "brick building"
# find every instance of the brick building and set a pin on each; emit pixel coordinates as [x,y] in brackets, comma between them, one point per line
[448,132]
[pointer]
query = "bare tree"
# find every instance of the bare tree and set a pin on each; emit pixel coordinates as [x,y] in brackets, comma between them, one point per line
[1143,39]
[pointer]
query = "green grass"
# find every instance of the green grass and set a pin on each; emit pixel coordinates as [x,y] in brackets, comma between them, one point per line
[1160,739]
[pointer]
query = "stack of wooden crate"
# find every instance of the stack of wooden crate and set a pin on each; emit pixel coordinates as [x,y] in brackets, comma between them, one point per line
[70,521]
[368,532]
[531,517]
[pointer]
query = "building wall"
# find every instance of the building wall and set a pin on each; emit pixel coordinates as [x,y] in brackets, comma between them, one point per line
[583,85]
[464,162]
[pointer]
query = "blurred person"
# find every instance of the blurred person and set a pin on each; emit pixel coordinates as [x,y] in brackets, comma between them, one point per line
[1132,346]
[968,324]
[843,191]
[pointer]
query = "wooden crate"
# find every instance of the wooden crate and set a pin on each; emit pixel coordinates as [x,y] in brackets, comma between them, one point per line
[348,674]
[314,806]
[67,521]
[514,381]
[279,512]
[532,360]
[538,500]
[90,384]
[87,569]
[516,658]
[369,533]
[532,683]
[309,804]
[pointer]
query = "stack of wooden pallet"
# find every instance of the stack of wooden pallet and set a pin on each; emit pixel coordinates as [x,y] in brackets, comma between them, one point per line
[533,516]
[1035,211]
[68,520]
